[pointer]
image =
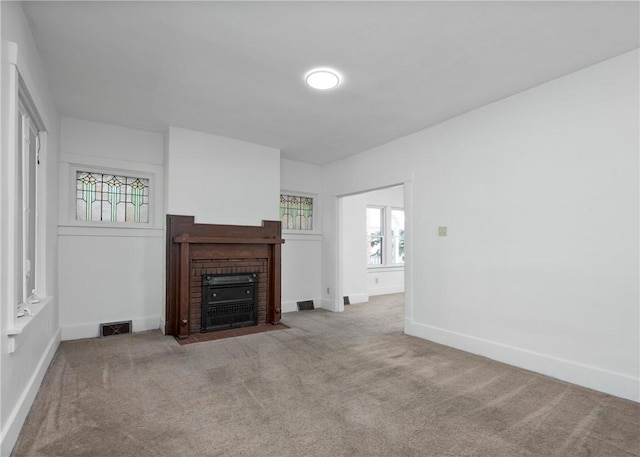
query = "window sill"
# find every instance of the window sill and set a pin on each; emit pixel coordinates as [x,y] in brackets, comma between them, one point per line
[385,267]
[109,230]
[294,235]
[300,232]
[21,323]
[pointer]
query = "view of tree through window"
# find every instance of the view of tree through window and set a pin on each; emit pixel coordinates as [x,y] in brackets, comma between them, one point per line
[385,224]
[375,231]
[397,236]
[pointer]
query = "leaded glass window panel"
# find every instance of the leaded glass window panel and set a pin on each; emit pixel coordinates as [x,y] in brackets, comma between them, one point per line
[296,212]
[111,198]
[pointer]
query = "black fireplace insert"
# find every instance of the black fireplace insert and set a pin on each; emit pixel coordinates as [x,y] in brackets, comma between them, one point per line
[229,301]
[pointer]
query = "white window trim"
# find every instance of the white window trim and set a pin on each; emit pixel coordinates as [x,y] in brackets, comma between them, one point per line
[27,104]
[316,213]
[70,164]
[19,98]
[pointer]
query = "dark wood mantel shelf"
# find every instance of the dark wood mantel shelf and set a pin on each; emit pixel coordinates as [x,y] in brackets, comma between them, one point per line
[191,245]
[226,240]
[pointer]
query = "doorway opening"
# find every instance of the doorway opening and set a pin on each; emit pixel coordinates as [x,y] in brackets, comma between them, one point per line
[372,244]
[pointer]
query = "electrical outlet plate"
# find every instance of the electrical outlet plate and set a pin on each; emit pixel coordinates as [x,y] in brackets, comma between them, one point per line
[442,231]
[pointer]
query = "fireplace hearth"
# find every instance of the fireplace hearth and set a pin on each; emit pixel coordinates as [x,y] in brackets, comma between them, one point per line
[229,301]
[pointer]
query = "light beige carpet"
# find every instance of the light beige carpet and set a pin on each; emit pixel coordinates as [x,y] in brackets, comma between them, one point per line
[348,384]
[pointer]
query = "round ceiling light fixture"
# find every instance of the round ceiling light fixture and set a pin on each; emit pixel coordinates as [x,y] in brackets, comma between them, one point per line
[322,79]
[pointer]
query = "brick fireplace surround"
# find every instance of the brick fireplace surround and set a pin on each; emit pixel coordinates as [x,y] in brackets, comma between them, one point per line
[194,250]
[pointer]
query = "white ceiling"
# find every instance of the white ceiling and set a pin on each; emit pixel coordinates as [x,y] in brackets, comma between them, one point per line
[236,68]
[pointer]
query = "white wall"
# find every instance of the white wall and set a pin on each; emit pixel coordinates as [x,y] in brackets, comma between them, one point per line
[301,253]
[109,273]
[220,180]
[385,280]
[353,247]
[23,366]
[92,289]
[392,197]
[540,195]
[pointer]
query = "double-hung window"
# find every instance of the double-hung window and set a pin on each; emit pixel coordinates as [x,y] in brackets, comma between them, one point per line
[22,184]
[21,180]
[385,236]
[397,236]
[27,185]
[375,235]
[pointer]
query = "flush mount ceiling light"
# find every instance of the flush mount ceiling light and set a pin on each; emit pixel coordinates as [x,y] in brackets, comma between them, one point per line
[322,78]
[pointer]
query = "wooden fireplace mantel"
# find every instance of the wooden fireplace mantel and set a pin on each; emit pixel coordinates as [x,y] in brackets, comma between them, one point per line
[223,240]
[188,241]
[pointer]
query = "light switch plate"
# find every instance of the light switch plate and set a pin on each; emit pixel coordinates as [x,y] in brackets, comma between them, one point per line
[442,231]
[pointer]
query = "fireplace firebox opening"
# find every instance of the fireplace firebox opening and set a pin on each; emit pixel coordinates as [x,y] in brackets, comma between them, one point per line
[229,301]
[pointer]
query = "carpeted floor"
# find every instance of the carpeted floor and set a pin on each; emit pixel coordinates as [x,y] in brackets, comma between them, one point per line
[348,384]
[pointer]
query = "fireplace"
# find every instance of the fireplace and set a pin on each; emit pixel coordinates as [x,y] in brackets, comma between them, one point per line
[229,301]
[200,256]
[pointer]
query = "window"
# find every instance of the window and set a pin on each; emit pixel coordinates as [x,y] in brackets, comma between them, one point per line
[23,232]
[26,229]
[296,212]
[111,197]
[397,236]
[375,230]
[385,223]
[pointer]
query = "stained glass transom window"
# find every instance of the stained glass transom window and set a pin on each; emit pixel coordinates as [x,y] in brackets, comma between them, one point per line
[111,198]
[296,212]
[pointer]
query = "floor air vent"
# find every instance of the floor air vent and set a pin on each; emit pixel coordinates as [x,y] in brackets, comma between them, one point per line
[305,305]
[115,328]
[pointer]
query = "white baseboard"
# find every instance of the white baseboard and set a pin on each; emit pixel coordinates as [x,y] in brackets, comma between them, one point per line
[92,329]
[358,298]
[16,419]
[328,304]
[385,290]
[289,306]
[292,306]
[618,384]
[163,325]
